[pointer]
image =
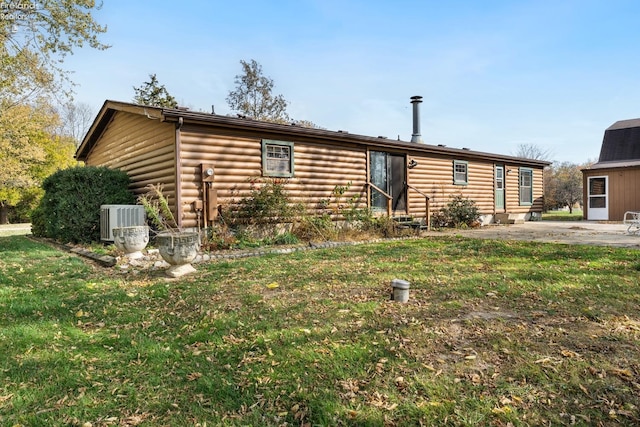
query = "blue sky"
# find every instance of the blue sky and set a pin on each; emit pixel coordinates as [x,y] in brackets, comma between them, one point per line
[494,73]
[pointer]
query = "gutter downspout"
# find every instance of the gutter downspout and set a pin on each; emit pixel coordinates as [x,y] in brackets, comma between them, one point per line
[178,179]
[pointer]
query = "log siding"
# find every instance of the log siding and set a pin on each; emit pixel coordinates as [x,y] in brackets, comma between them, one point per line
[168,146]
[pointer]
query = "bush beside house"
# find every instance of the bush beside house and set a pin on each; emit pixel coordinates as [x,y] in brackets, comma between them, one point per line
[70,208]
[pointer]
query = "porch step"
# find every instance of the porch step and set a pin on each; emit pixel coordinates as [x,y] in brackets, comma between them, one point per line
[509,218]
[405,221]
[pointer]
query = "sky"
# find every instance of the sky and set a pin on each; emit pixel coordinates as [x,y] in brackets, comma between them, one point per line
[493,74]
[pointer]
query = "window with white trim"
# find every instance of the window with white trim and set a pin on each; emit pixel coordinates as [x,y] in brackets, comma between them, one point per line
[277,158]
[460,172]
[526,186]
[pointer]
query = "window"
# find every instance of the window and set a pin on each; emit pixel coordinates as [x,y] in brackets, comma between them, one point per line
[526,186]
[277,158]
[460,172]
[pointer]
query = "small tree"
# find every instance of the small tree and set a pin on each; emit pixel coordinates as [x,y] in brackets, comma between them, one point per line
[154,94]
[566,183]
[253,95]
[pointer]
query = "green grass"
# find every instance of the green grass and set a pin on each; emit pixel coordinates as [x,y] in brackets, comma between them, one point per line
[576,215]
[494,333]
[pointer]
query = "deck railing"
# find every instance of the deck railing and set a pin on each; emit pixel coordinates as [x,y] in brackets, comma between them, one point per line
[385,194]
[390,200]
[426,205]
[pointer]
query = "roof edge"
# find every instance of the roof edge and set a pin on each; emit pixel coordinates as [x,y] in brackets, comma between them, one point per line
[109,108]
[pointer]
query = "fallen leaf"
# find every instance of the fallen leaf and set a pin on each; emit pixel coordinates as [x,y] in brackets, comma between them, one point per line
[569,353]
[194,376]
[273,285]
[622,373]
[503,410]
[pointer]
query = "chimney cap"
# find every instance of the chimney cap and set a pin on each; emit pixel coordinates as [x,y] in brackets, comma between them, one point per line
[416,98]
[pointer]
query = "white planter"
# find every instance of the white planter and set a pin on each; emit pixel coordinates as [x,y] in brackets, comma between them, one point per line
[178,249]
[132,240]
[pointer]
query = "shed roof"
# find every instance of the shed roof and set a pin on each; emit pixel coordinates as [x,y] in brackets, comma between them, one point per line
[182,116]
[614,165]
[621,142]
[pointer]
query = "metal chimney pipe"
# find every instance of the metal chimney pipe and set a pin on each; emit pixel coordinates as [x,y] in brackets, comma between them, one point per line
[415,136]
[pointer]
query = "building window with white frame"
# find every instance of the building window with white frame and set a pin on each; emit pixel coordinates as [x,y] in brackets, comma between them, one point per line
[526,187]
[460,172]
[277,158]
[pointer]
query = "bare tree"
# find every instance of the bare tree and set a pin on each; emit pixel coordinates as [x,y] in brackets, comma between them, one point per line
[75,120]
[532,151]
[253,96]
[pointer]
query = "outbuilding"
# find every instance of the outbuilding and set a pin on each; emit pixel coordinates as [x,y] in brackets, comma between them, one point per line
[612,185]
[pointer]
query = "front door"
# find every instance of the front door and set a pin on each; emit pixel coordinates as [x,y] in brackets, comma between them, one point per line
[388,171]
[597,193]
[499,191]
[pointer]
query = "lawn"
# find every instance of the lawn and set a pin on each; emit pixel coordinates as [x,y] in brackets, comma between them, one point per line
[576,215]
[494,333]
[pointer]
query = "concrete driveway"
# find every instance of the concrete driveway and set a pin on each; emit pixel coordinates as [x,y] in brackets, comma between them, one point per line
[14,229]
[568,232]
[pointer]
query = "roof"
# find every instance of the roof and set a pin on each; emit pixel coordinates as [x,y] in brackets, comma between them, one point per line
[621,142]
[182,116]
[625,124]
[614,165]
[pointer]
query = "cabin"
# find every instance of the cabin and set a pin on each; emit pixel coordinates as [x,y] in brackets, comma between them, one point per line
[206,161]
[612,185]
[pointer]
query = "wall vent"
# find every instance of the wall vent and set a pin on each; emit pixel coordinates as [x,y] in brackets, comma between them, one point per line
[112,216]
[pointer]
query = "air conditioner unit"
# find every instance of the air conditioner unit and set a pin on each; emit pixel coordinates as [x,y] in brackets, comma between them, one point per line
[112,216]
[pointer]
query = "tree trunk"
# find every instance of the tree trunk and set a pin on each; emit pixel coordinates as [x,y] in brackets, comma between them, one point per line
[4,214]
[570,208]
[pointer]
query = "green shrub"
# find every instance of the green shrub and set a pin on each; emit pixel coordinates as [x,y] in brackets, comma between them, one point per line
[459,212]
[69,211]
[267,203]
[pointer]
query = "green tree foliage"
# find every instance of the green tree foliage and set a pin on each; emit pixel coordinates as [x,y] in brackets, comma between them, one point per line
[253,95]
[154,94]
[70,208]
[35,39]
[563,186]
[29,152]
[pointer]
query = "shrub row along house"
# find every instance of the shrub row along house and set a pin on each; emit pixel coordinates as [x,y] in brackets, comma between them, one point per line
[206,161]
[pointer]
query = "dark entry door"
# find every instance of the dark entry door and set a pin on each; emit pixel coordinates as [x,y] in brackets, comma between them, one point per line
[387,171]
[398,182]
